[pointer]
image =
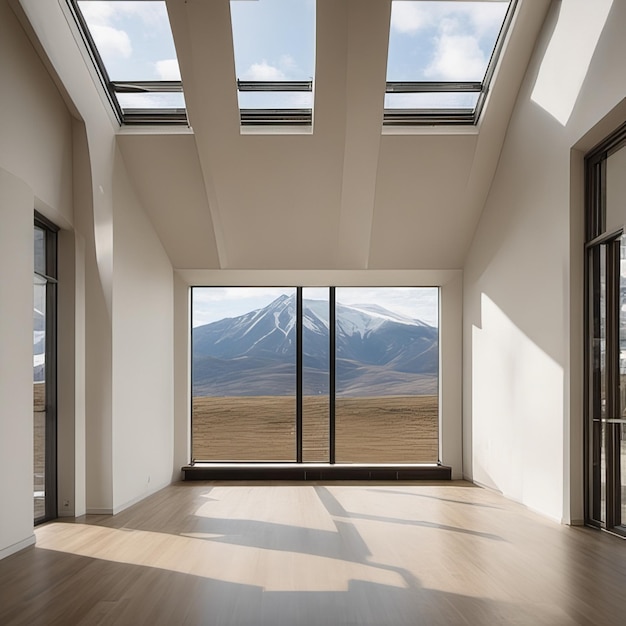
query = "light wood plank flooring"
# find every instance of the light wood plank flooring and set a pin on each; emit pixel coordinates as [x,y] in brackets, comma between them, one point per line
[317,554]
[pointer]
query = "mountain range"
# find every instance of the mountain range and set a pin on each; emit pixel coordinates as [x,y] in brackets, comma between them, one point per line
[378,352]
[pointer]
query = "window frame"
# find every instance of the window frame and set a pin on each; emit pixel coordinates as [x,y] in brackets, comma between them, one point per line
[298,391]
[440,116]
[51,277]
[606,516]
[143,116]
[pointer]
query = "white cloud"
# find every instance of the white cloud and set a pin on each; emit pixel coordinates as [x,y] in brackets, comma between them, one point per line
[409,17]
[167,69]
[111,42]
[97,12]
[287,63]
[457,57]
[263,71]
[150,13]
[486,17]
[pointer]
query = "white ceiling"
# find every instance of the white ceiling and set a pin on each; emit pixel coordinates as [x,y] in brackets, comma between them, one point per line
[347,196]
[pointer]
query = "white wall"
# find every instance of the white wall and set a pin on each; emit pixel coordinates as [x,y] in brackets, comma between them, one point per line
[16,367]
[143,351]
[35,172]
[523,275]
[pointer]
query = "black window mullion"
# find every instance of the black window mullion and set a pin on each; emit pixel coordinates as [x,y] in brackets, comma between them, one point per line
[331,369]
[299,313]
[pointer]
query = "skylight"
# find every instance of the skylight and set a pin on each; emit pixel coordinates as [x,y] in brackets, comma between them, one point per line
[133,48]
[274,46]
[441,57]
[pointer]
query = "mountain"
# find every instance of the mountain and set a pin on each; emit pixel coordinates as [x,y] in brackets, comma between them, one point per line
[378,352]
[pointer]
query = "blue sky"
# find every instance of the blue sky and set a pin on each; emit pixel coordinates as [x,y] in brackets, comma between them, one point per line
[215,303]
[275,40]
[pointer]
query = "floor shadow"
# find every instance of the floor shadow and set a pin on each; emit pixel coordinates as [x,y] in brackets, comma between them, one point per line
[439,498]
[60,589]
[335,508]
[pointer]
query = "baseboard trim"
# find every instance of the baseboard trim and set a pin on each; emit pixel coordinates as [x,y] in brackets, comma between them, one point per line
[16,547]
[99,511]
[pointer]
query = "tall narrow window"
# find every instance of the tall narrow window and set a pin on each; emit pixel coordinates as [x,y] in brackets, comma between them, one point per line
[274,46]
[44,371]
[605,372]
[441,57]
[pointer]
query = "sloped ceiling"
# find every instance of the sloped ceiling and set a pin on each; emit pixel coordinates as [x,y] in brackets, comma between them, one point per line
[346,196]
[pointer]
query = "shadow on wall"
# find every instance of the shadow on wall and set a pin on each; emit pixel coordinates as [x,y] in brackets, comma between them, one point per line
[568,56]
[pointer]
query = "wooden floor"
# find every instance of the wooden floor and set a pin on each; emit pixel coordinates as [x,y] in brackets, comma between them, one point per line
[317,554]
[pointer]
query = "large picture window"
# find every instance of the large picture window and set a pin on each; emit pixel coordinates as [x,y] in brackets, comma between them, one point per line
[315,375]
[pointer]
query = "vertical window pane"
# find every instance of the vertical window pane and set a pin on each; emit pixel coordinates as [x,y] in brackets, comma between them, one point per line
[615,190]
[387,363]
[40,251]
[39,390]
[621,429]
[315,375]
[243,374]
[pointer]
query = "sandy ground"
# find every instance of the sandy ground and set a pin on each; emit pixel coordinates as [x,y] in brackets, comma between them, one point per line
[389,429]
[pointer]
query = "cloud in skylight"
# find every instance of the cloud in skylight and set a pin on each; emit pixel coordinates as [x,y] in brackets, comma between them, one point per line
[457,57]
[112,42]
[263,71]
[167,69]
[133,38]
[410,17]
[442,40]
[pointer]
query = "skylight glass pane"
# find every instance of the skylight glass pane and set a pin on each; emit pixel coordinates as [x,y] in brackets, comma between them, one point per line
[437,100]
[276,100]
[134,39]
[443,40]
[152,100]
[274,40]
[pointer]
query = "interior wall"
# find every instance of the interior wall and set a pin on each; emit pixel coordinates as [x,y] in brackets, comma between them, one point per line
[143,351]
[16,366]
[523,275]
[35,173]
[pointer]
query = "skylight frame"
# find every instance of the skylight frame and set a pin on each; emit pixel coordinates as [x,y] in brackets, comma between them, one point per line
[444,116]
[128,117]
[278,115]
[275,116]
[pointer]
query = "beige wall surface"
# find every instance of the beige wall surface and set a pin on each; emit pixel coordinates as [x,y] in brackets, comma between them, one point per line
[143,351]
[35,173]
[523,275]
[16,366]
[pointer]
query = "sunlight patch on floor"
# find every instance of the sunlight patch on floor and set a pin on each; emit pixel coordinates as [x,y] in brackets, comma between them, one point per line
[271,570]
